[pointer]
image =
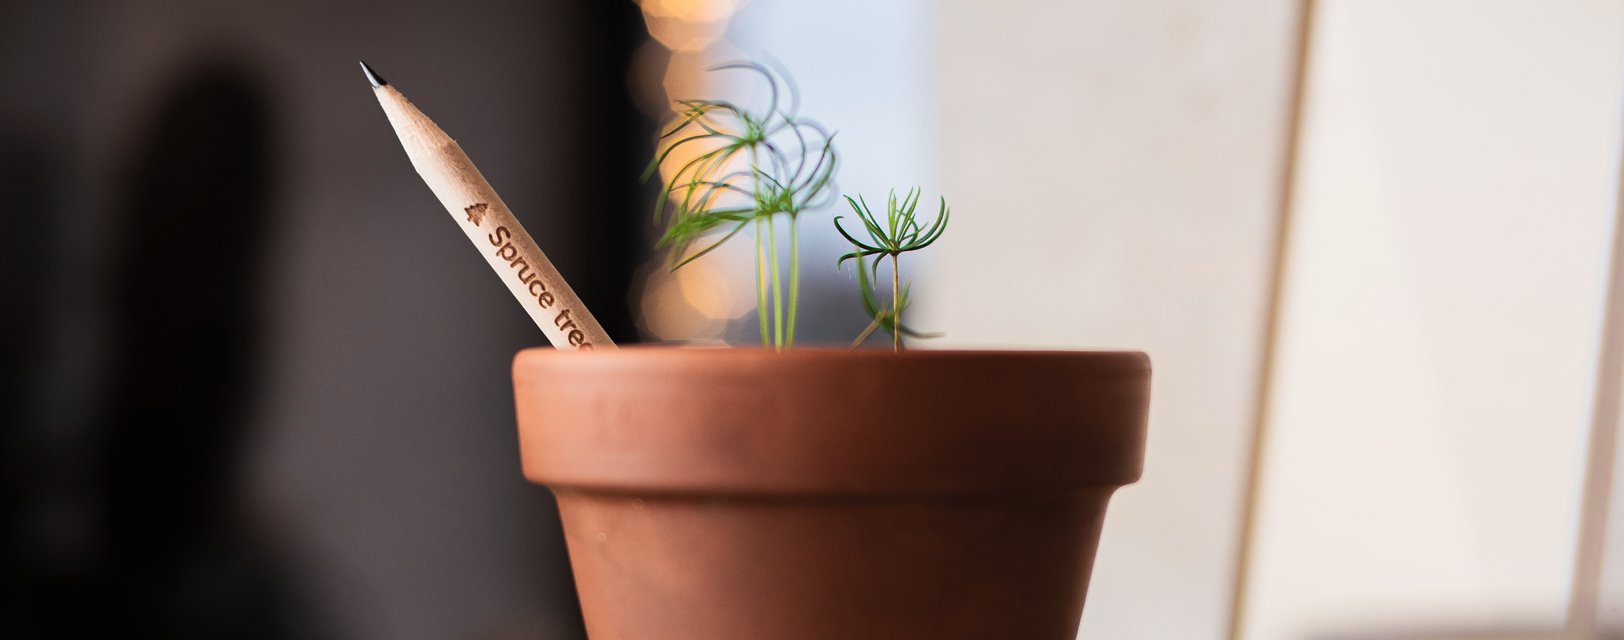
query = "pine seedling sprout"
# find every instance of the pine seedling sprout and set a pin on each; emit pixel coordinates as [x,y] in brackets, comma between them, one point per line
[749,168]
[901,233]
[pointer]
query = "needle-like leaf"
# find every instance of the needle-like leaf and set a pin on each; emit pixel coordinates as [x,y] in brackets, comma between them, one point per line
[901,233]
[746,166]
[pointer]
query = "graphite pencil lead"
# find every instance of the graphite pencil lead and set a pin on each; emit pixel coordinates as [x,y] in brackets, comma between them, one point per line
[372,76]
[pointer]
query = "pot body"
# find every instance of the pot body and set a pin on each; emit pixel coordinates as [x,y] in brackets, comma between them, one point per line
[724,495]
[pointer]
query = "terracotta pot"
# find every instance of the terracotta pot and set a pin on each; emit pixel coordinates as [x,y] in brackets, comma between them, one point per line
[741,494]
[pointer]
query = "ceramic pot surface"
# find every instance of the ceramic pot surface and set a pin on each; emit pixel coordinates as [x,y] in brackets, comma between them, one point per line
[742,494]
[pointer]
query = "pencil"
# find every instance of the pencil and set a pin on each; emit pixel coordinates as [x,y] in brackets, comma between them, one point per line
[490,225]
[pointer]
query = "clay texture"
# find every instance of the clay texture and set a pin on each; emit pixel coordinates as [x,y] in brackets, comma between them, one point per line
[733,494]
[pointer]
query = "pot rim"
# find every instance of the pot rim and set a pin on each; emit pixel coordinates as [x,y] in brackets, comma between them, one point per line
[662,420]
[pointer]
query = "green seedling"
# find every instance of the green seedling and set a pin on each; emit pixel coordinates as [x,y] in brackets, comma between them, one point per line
[901,233]
[752,168]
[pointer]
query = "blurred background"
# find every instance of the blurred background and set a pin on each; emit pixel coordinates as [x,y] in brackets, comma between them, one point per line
[254,385]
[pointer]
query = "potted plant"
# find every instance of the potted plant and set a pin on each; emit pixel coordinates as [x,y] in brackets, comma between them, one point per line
[786,494]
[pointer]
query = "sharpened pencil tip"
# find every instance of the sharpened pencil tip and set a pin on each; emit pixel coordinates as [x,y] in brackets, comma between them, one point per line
[372,76]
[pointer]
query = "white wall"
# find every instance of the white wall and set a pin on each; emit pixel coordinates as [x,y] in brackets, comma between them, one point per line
[1440,319]
[1114,170]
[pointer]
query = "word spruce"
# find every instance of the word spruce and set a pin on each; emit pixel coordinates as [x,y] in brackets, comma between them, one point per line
[533,284]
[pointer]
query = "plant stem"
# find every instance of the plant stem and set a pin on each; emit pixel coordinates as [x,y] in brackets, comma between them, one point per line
[896,311]
[794,276]
[778,287]
[761,286]
[864,335]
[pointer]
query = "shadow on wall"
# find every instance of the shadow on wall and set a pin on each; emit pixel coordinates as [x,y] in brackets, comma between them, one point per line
[125,437]
[28,553]
[166,548]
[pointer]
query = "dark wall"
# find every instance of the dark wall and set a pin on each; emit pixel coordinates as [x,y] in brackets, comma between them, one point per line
[253,382]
